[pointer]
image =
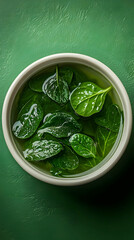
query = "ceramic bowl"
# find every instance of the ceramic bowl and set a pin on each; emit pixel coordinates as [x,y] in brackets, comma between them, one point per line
[90,65]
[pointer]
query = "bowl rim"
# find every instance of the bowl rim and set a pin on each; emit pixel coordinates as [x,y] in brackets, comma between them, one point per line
[105,71]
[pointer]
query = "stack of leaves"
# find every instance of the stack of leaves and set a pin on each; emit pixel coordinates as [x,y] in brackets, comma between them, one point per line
[61,121]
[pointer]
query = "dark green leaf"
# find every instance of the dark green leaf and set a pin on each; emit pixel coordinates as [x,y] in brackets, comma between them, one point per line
[68,109]
[60,125]
[55,171]
[105,140]
[43,166]
[66,74]
[83,145]
[32,139]
[56,88]
[64,141]
[78,77]
[111,118]
[41,150]
[67,160]
[88,98]
[36,82]
[47,136]
[49,106]
[25,96]
[92,162]
[84,165]
[28,120]
[88,126]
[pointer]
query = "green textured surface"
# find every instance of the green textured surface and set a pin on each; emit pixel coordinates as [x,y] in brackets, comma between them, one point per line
[30,209]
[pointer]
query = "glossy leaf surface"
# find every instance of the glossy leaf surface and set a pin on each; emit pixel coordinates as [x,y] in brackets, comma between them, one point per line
[83,145]
[60,125]
[88,99]
[41,150]
[56,88]
[66,160]
[28,120]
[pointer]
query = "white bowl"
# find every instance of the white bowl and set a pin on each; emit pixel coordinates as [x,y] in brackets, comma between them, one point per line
[119,93]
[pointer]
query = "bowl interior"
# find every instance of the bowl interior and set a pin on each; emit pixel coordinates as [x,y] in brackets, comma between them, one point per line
[95,76]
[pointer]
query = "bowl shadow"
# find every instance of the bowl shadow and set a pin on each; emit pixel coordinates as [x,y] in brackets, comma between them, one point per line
[113,189]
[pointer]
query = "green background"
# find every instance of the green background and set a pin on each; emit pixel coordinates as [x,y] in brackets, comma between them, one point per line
[30,209]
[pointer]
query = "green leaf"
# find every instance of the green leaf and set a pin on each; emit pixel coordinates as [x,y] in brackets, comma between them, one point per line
[37,137]
[28,120]
[78,78]
[28,94]
[29,141]
[49,106]
[65,141]
[84,165]
[110,119]
[67,160]
[36,82]
[41,150]
[105,140]
[47,136]
[25,96]
[83,145]
[56,88]
[55,171]
[42,166]
[88,126]
[92,162]
[66,74]
[68,109]
[88,98]
[60,125]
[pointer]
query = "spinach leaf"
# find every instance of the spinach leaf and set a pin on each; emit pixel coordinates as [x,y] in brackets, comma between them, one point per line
[28,120]
[55,171]
[78,78]
[41,150]
[47,136]
[105,140]
[36,82]
[92,162]
[42,165]
[29,141]
[60,125]
[88,98]
[37,137]
[88,126]
[83,145]
[49,106]
[111,118]
[66,74]
[65,141]
[25,96]
[84,165]
[56,88]
[68,109]
[67,160]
